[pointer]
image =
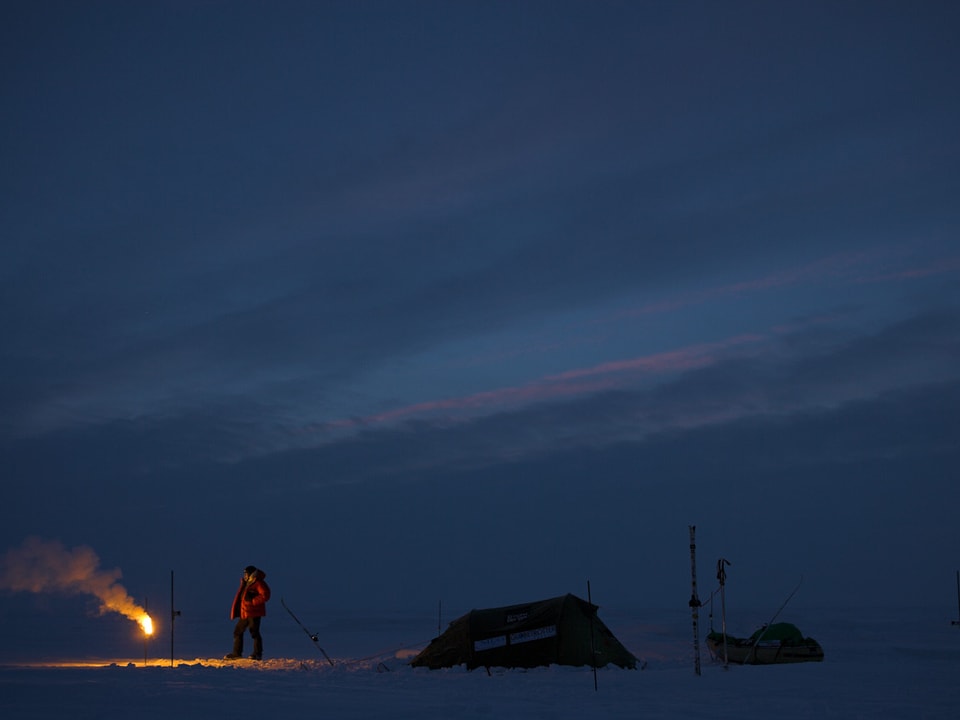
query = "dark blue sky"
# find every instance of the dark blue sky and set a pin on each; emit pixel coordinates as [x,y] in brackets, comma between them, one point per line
[477,301]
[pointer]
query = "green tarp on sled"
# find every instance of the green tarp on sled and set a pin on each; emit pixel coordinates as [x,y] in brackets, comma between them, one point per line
[555,631]
[782,632]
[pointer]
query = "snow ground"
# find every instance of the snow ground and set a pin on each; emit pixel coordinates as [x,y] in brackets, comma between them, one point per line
[879,664]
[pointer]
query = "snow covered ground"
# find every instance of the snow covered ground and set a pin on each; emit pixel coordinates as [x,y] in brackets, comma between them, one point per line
[879,664]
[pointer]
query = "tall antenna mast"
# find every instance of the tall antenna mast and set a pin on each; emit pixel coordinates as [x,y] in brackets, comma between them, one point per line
[694,600]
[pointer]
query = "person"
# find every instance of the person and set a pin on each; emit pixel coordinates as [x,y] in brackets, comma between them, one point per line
[249,608]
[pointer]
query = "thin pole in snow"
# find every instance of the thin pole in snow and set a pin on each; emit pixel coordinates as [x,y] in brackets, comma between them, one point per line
[957,621]
[593,652]
[722,577]
[766,627]
[146,609]
[173,617]
[694,600]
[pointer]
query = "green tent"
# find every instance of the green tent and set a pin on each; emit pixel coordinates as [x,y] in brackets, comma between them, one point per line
[563,630]
[784,633]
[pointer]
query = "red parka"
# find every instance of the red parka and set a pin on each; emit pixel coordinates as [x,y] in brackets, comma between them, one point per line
[251,598]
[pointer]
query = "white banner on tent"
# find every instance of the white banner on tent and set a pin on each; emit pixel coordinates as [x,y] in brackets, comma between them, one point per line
[490,643]
[531,635]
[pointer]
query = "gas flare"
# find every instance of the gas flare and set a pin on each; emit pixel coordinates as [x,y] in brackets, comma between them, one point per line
[40,565]
[146,623]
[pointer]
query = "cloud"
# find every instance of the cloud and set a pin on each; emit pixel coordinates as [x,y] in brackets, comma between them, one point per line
[796,375]
[788,369]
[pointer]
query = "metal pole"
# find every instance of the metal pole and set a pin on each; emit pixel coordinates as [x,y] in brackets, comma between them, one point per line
[173,617]
[722,577]
[957,621]
[593,652]
[694,600]
[146,608]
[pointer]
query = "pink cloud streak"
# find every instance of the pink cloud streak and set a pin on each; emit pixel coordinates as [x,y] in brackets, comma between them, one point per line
[833,267]
[622,373]
[579,381]
[693,356]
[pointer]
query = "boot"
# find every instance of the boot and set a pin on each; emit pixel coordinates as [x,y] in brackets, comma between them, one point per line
[237,649]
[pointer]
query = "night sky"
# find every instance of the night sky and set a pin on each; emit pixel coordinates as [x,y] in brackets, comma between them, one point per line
[477,301]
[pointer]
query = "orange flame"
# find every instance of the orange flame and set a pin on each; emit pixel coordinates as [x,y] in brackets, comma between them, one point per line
[146,622]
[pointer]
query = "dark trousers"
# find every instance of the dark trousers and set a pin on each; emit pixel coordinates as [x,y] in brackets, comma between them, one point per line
[253,625]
